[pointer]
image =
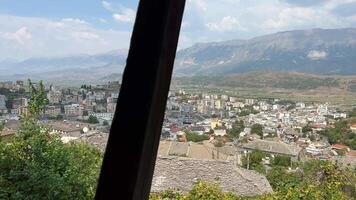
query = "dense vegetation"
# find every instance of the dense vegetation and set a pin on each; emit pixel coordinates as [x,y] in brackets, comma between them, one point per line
[341,133]
[38,165]
[195,137]
[237,127]
[257,129]
[93,120]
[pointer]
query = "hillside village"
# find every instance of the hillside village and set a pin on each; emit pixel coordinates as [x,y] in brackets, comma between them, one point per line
[200,130]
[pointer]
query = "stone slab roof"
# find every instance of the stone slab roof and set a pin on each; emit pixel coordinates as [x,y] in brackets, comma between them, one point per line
[273,147]
[180,173]
[194,150]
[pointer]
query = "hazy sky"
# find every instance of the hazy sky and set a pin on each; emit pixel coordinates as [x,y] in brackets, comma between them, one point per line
[33,28]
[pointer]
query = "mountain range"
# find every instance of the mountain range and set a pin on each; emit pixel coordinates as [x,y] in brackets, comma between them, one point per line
[315,51]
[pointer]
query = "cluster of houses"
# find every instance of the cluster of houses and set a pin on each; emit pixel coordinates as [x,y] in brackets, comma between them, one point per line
[99,101]
[282,123]
[181,162]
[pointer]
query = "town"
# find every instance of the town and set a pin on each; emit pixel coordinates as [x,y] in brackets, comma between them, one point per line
[200,130]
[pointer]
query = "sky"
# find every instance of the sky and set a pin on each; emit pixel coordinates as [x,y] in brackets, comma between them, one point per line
[42,28]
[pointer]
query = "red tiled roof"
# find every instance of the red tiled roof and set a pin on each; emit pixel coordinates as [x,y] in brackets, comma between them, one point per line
[175,129]
[7,133]
[351,154]
[339,146]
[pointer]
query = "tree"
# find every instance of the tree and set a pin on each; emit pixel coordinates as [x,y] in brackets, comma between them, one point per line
[195,137]
[254,160]
[306,129]
[85,113]
[38,165]
[257,129]
[59,117]
[282,161]
[237,127]
[93,120]
[105,123]
[1,126]
[38,99]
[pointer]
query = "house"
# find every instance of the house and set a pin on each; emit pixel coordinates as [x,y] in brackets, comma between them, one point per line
[69,128]
[273,147]
[73,110]
[340,147]
[353,128]
[180,173]
[52,110]
[219,132]
[7,133]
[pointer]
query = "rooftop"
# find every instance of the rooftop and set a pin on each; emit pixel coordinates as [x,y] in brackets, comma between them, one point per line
[273,147]
[182,173]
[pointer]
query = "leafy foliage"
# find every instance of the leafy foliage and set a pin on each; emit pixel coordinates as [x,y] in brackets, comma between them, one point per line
[195,137]
[93,120]
[257,129]
[38,165]
[237,127]
[341,133]
[282,161]
[38,99]
[254,160]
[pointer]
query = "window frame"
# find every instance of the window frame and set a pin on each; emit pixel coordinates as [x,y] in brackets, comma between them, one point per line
[131,151]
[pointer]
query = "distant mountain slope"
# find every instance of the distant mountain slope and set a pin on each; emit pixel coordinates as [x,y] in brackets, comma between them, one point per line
[319,51]
[69,67]
[316,51]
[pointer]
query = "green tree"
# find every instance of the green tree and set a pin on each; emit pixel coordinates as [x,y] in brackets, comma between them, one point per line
[37,100]
[237,127]
[105,123]
[59,117]
[253,160]
[257,129]
[38,165]
[195,137]
[208,191]
[1,126]
[93,120]
[85,113]
[306,129]
[282,161]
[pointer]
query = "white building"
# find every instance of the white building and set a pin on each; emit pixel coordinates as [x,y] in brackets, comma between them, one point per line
[73,110]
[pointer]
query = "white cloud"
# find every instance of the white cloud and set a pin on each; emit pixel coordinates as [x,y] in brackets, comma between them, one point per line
[227,23]
[85,35]
[22,37]
[317,55]
[199,4]
[102,20]
[74,20]
[126,15]
[294,17]
[107,6]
